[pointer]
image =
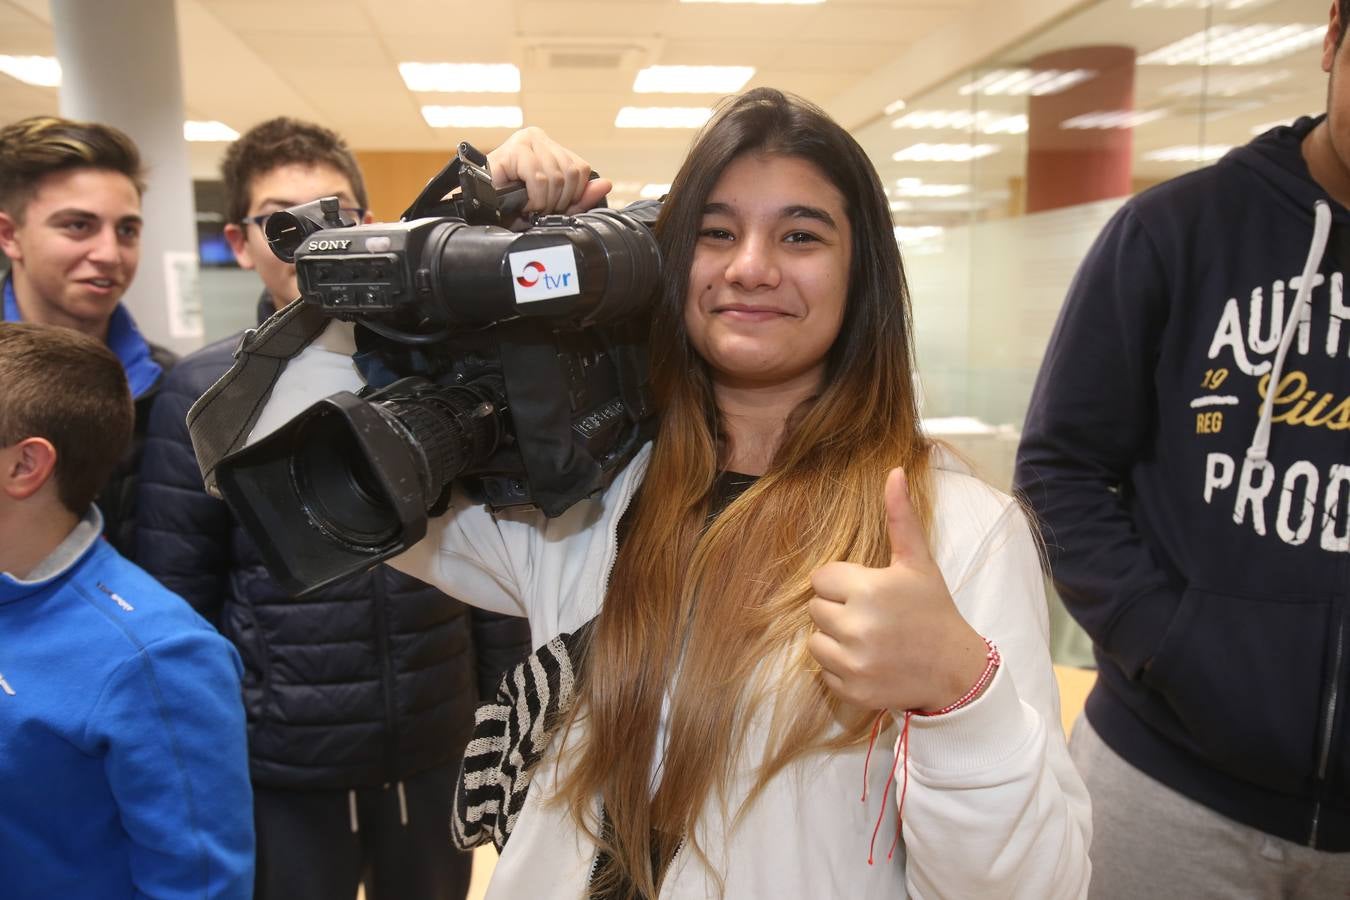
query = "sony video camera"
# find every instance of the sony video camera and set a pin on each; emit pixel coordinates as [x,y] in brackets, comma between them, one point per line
[512,362]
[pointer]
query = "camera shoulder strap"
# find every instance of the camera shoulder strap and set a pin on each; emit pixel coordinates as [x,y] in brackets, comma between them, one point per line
[221,419]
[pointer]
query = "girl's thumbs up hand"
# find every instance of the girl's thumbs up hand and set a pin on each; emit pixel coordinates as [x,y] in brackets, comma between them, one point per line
[891,638]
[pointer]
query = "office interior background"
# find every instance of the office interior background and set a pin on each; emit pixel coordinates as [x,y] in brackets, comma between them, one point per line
[1006,131]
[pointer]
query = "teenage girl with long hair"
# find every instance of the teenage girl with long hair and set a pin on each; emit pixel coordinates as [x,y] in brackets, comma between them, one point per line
[818,665]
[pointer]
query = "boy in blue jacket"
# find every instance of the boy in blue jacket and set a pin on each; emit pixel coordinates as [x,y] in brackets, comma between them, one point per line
[123,768]
[1186,450]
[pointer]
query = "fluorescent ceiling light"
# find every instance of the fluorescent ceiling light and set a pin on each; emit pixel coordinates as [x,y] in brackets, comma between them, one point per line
[42,71]
[1196,4]
[893,107]
[1188,153]
[985,122]
[944,152]
[1115,118]
[1020,82]
[1266,126]
[1225,84]
[211,131]
[473,116]
[913,234]
[662,117]
[654,191]
[1236,45]
[466,78]
[762,2]
[692,79]
[917,187]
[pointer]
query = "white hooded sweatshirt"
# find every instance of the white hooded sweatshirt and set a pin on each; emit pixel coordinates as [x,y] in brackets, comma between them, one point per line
[993,808]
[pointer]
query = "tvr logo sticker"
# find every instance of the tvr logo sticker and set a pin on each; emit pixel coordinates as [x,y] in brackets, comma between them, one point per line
[544,272]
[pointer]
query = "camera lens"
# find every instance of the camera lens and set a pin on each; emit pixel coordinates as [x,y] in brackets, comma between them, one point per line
[341,494]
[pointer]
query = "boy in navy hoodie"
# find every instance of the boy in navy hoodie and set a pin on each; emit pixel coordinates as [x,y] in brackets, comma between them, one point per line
[123,769]
[1188,452]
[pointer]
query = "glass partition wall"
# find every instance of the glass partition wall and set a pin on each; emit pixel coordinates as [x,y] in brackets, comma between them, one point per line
[1001,178]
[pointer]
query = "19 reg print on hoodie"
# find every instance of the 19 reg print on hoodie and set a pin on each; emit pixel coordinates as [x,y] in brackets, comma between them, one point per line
[1207,554]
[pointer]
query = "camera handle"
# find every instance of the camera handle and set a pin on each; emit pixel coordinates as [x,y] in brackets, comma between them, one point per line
[478,201]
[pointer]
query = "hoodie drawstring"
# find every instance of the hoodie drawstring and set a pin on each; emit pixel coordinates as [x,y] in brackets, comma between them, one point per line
[1321,230]
[402,807]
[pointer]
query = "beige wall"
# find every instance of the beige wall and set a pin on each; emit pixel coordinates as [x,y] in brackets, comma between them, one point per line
[394,178]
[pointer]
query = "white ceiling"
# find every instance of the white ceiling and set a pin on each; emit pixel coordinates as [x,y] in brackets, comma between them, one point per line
[335,61]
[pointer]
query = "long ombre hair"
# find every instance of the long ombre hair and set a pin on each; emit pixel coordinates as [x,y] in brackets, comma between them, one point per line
[725,605]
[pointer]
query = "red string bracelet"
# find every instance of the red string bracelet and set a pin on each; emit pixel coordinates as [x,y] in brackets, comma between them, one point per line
[992,661]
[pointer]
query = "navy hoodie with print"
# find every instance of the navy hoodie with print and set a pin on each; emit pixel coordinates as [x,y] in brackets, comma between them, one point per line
[1207,554]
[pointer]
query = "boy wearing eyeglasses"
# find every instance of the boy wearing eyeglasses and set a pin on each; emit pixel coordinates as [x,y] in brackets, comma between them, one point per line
[360,697]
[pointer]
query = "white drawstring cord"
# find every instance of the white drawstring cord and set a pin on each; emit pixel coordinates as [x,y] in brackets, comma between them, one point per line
[402,805]
[1321,230]
[351,810]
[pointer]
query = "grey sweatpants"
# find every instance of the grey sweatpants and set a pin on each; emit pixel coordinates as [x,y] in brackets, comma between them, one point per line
[1150,842]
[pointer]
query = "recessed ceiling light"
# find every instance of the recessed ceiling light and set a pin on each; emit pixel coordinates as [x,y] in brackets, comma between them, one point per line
[1236,45]
[917,187]
[42,71]
[1114,118]
[1266,126]
[662,117]
[893,107]
[762,2]
[654,191]
[1188,153]
[466,78]
[1196,4]
[473,116]
[913,234]
[1225,84]
[692,79]
[1020,82]
[944,152]
[206,132]
[984,121]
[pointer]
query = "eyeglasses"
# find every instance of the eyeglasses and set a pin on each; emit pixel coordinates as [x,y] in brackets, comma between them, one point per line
[355,213]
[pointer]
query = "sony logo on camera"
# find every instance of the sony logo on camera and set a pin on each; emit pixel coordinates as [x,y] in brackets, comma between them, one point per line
[544,272]
[328,245]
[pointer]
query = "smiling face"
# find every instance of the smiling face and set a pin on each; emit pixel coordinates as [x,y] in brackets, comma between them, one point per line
[75,248]
[769,279]
[286,185]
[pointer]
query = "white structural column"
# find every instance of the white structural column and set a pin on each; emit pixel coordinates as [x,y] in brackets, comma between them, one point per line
[120,66]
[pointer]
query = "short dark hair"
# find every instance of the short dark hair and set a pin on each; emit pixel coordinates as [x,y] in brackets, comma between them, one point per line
[39,145]
[1343,6]
[70,389]
[278,142]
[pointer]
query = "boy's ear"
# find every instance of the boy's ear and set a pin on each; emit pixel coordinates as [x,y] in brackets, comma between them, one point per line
[26,466]
[9,243]
[238,241]
[1333,38]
